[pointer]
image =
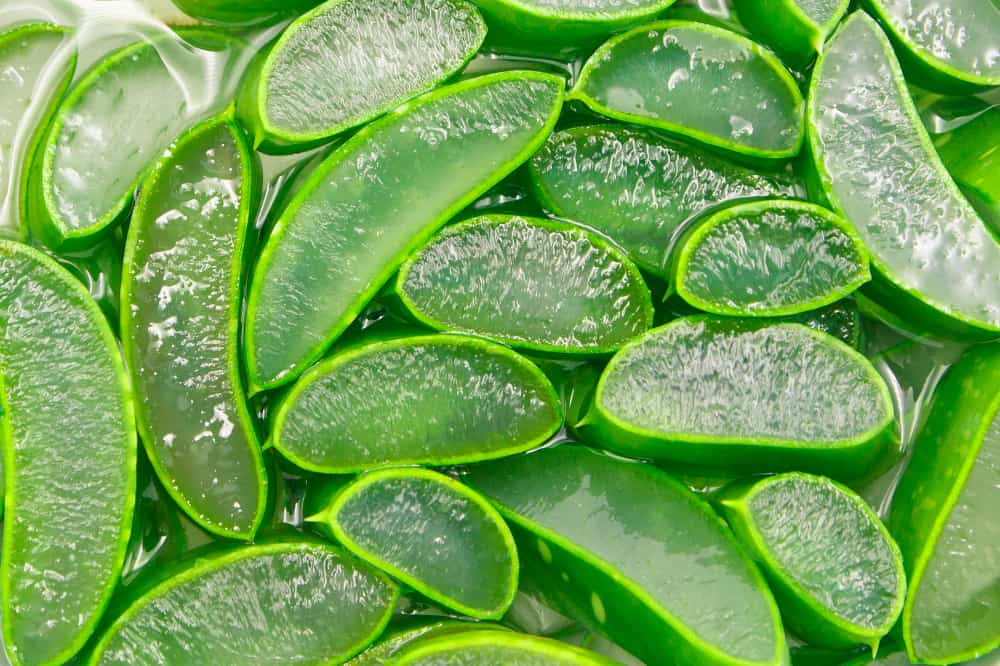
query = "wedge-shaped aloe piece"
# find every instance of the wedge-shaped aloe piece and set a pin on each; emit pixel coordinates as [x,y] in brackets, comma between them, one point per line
[700,82]
[835,571]
[430,532]
[490,648]
[69,451]
[795,29]
[638,188]
[669,585]
[532,283]
[944,517]
[769,258]
[181,291]
[436,399]
[366,208]
[244,12]
[277,603]
[971,152]
[739,394]
[933,257]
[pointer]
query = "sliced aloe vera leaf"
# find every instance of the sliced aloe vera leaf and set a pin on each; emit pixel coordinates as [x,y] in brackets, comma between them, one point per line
[971,152]
[836,573]
[744,395]
[436,400]
[943,517]
[490,647]
[933,257]
[245,12]
[795,29]
[69,450]
[365,209]
[532,283]
[663,584]
[769,259]
[638,188]
[276,603]
[700,82]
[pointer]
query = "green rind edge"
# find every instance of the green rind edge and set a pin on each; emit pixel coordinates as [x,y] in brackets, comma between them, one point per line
[548,646]
[802,27]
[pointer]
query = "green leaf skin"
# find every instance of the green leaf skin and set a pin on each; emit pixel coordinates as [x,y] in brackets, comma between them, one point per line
[69,451]
[943,514]
[833,567]
[795,29]
[700,82]
[181,291]
[932,256]
[971,153]
[292,602]
[496,648]
[244,12]
[535,284]
[434,400]
[669,585]
[394,641]
[741,395]
[365,209]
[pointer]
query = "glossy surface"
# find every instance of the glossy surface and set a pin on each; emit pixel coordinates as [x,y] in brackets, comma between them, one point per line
[795,29]
[243,13]
[497,648]
[971,153]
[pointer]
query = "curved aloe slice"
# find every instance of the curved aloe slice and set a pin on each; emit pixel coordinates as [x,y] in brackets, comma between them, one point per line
[180,297]
[943,517]
[245,12]
[665,584]
[769,258]
[972,157]
[837,574]
[69,451]
[437,399]
[532,283]
[739,394]
[366,208]
[433,534]
[297,602]
[933,257]
[638,188]
[700,82]
[489,648]
[795,29]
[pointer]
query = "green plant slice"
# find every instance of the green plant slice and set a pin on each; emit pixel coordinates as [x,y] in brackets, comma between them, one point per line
[532,283]
[744,395]
[769,259]
[279,603]
[700,82]
[433,534]
[243,13]
[932,256]
[435,399]
[365,209]
[972,156]
[663,584]
[942,513]
[795,29]
[493,648]
[69,451]
[637,188]
[835,570]
[181,299]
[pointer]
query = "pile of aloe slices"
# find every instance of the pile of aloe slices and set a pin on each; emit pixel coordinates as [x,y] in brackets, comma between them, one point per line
[500,332]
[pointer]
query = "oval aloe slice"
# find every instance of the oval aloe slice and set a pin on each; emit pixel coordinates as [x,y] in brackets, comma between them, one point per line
[669,585]
[933,257]
[795,29]
[433,534]
[835,571]
[181,290]
[744,395]
[700,82]
[768,259]
[490,648]
[296,602]
[69,450]
[638,188]
[436,400]
[534,284]
[943,517]
[366,208]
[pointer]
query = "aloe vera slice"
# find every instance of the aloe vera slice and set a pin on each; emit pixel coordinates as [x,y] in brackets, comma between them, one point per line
[433,534]
[277,603]
[795,29]
[768,259]
[933,257]
[836,573]
[743,395]
[534,284]
[700,82]
[638,188]
[943,517]
[366,208]
[69,450]
[971,152]
[669,585]
[436,400]
[490,648]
